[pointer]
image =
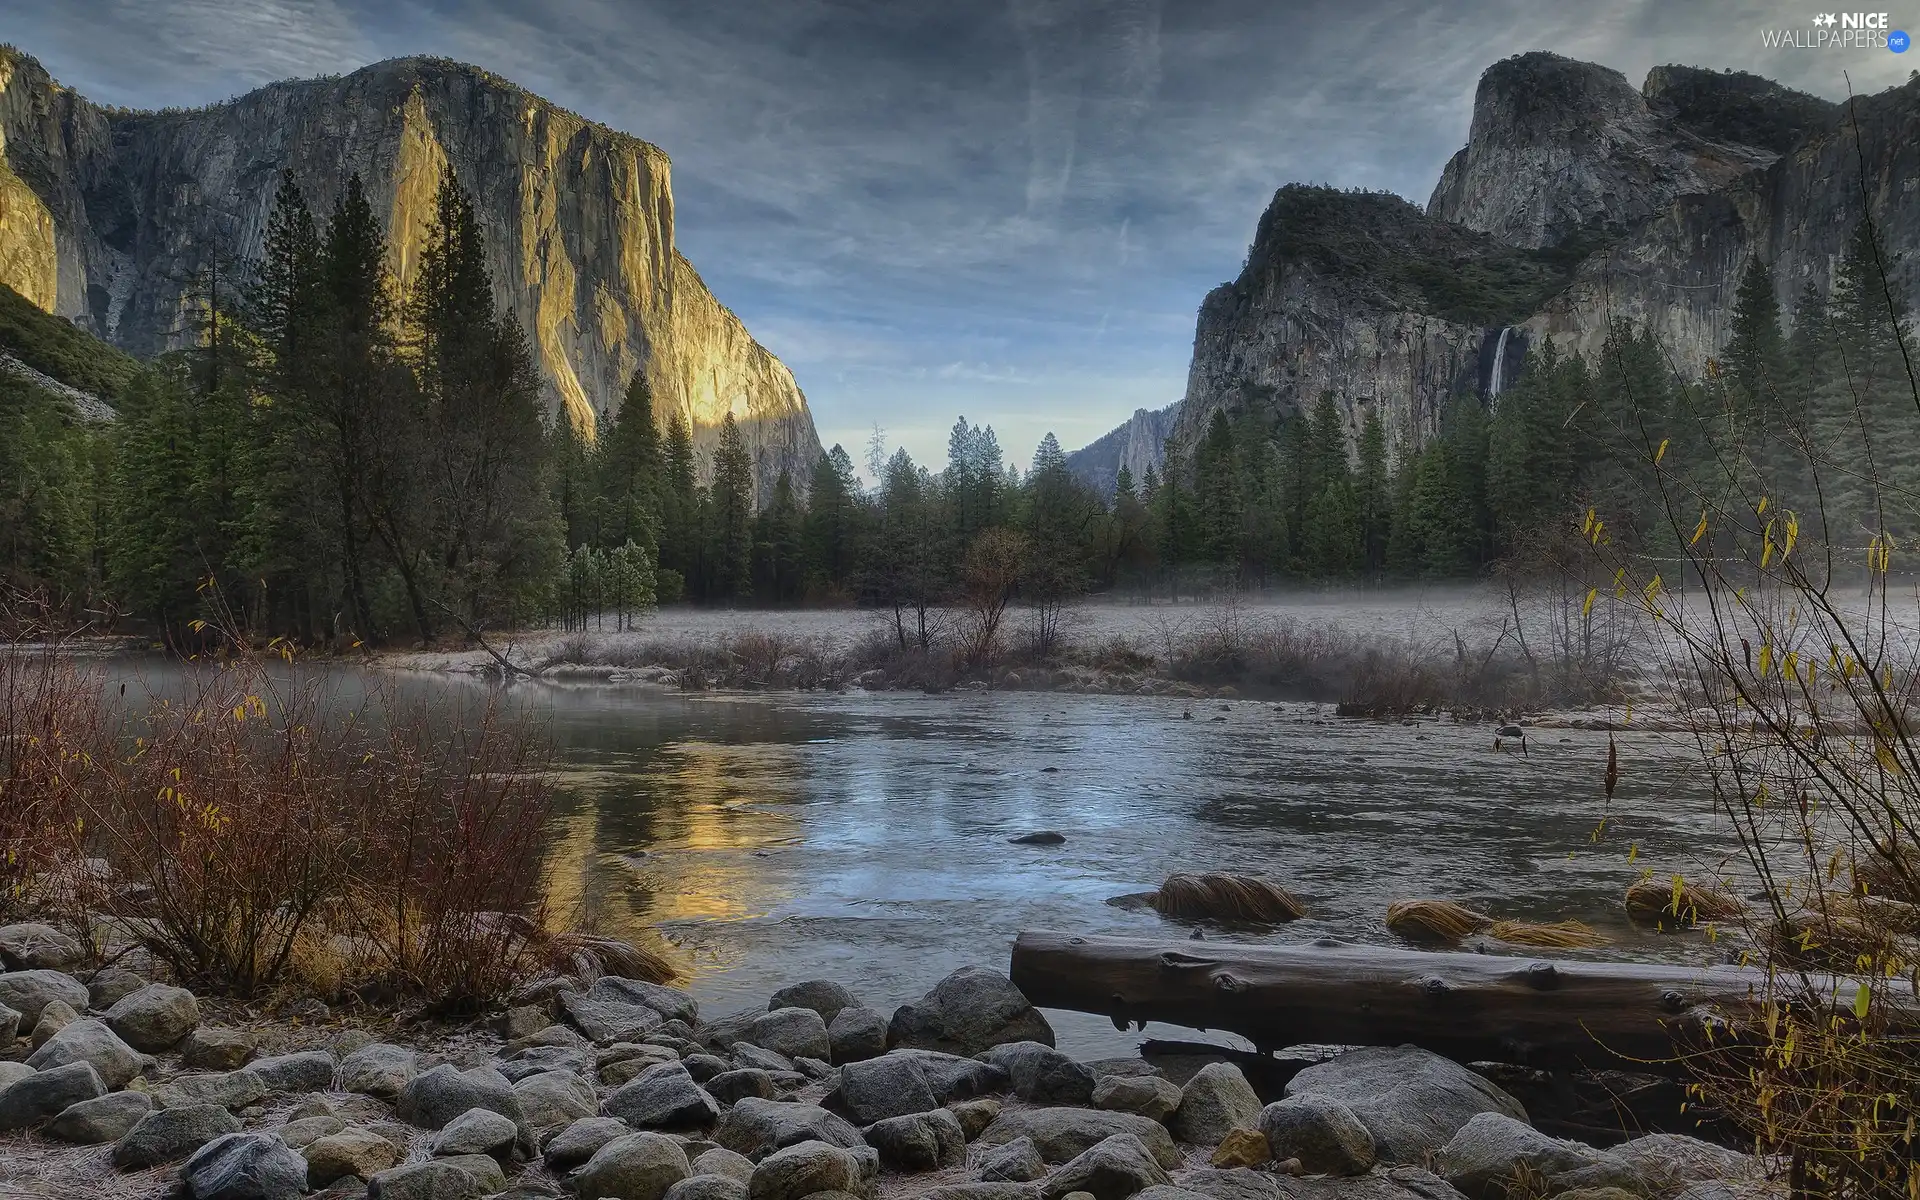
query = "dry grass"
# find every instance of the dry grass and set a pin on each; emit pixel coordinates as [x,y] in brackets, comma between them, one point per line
[1679,902]
[1224,897]
[1558,935]
[1435,920]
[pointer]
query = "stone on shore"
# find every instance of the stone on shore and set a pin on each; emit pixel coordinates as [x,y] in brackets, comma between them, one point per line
[605,1021]
[378,1070]
[804,1169]
[1216,1101]
[476,1131]
[975,1115]
[756,1127]
[1149,1096]
[44,1095]
[729,1086]
[308,1071]
[57,1015]
[245,1166]
[27,992]
[1667,1163]
[722,1161]
[1241,1183]
[856,1034]
[353,1150]
[971,1010]
[794,1032]
[438,1179]
[102,1119]
[1247,1148]
[671,1003]
[110,985]
[708,1187]
[230,1090]
[663,1096]
[89,1040]
[166,1134]
[553,1100]
[1062,1134]
[1112,1169]
[35,947]
[432,1099]
[9,1025]
[212,1048]
[1492,1152]
[823,996]
[154,1018]
[634,1166]
[923,1141]
[1319,1131]
[910,1081]
[1016,1162]
[579,1141]
[1042,1075]
[1412,1101]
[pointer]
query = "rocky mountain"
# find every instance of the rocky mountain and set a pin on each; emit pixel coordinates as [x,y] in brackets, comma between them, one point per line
[1136,445]
[1576,203]
[105,213]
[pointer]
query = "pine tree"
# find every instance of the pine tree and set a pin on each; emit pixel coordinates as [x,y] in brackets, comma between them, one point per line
[1334,542]
[680,535]
[1756,352]
[733,512]
[778,558]
[829,530]
[629,469]
[1372,493]
[1219,496]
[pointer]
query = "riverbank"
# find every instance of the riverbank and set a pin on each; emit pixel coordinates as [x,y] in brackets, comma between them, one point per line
[620,1088]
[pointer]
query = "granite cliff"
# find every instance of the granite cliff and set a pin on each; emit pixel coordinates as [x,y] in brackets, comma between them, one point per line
[104,213]
[1576,203]
[1136,445]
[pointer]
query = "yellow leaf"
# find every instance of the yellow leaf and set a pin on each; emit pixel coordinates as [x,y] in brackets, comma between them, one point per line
[1763,507]
[1587,608]
[1700,530]
[1862,999]
[1766,657]
[1662,452]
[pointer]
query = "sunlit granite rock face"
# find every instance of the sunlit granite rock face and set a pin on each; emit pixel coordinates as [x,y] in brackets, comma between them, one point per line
[107,213]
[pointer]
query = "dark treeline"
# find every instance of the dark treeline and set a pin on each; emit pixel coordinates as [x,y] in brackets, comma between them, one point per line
[341,460]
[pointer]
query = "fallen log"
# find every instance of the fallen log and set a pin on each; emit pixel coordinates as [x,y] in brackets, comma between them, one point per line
[1558,1014]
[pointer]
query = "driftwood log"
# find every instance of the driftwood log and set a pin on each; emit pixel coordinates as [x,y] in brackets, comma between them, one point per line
[1558,1014]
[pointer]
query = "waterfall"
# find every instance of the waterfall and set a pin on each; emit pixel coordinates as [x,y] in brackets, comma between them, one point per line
[1499,362]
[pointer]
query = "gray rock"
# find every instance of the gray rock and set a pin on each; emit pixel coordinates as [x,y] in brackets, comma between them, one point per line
[485,1169]
[245,1166]
[1041,1074]
[919,1142]
[346,1041]
[756,1127]
[746,1054]
[1241,1183]
[708,1187]
[1319,1131]
[975,1115]
[90,1041]
[1018,1161]
[608,1021]
[1411,1101]
[804,1169]
[793,1032]
[1166,1191]
[32,947]
[12,1071]
[705,1066]
[436,1180]
[102,1119]
[435,1097]
[309,1071]
[524,1021]
[9,1025]
[1061,1134]
[855,1034]
[110,985]
[1492,1153]
[817,1069]
[663,1096]
[1112,1169]
[1149,1096]
[230,1090]
[729,1086]
[57,1015]
[553,1035]
[911,1081]
[821,995]
[1217,1100]
[27,992]
[476,1131]
[154,1018]
[1668,1163]
[304,1131]
[378,1070]
[967,1012]
[635,1166]
[722,1161]
[983,1191]
[166,1134]
[555,1099]
[721,1033]
[579,1141]
[644,1053]
[212,1048]
[353,1150]
[538,1059]
[671,1003]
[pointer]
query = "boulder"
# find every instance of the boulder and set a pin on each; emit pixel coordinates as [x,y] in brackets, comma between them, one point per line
[984,1191]
[154,1018]
[1217,1100]
[729,1086]
[671,1003]
[1114,1168]
[309,1071]
[708,1187]
[579,1141]
[230,1090]
[794,1032]
[975,1115]
[746,1054]
[90,1041]
[27,992]
[347,1041]
[555,1099]
[433,1098]
[608,1021]
[304,1131]
[33,947]
[57,1015]
[911,1081]
[1040,1074]
[663,1096]
[804,1169]
[1246,1148]
[970,1010]
[436,1180]
[245,1166]
[484,1168]
[166,1134]
[110,985]
[476,1131]
[704,1066]
[524,1021]
[1061,1134]
[11,1072]
[856,1033]
[919,1142]
[1149,1096]
[756,1127]
[352,1151]
[537,1059]
[378,1070]
[212,1048]
[1319,1131]
[823,996]
[722,1161]
[1016,1162]
[1668,1163]
[1492,1153]
[634,1166]
[9,1026]
[1411,1101]
[101,1119]
[721,1033]
[1243,1184]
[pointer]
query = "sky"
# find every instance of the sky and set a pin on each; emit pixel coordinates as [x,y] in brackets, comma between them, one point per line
[1007,209]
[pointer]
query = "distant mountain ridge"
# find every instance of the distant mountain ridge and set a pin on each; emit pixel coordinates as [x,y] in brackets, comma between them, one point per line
[104,215]
[1137,445]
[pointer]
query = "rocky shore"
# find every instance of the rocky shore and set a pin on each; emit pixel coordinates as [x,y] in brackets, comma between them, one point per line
[112,1085]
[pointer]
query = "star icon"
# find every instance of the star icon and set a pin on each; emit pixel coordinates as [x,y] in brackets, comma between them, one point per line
[1825,19]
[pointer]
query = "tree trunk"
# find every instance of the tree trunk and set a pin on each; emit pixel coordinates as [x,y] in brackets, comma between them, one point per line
[1470,1007]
